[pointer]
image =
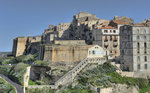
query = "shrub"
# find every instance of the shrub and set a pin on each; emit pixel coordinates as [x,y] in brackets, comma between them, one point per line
[6,87]
[32,82]
[42,63]
[17,72]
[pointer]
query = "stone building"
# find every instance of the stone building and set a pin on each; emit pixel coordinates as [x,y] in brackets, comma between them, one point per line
[108,38]
[135,48]
[58,32]
[33,44]
[82,25]
[23,45]
[68,51]
[19,46]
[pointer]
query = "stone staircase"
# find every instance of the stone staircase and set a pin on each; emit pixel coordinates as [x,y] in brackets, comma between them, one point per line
[117,67]
[69,77]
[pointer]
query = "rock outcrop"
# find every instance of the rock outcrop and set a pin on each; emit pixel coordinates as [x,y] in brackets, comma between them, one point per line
[120,88]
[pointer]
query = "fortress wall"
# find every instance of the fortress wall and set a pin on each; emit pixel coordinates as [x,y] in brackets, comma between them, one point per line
[19,46]
[64,53]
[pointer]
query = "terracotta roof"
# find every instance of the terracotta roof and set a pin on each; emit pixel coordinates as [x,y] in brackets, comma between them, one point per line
[107,27]
[119,22]
[89,46]
[139,24]
[142,24]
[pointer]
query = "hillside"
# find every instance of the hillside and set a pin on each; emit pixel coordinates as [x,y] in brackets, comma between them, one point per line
[4,54]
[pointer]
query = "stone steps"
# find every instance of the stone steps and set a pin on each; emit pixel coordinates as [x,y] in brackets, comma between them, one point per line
[68,77]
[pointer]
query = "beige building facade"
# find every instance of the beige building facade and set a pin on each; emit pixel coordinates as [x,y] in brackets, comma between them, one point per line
[108,38]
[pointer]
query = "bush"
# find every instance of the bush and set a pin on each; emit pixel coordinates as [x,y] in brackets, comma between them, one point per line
[42,63]
[32,82]
[144,90]
[7,60]
[6,87]
[17,72]
[142,83]
[40,90]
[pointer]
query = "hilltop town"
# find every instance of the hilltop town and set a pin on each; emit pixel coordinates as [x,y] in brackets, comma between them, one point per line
[69,55]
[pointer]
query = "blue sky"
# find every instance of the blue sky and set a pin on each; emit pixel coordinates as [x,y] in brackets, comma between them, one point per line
[31,17]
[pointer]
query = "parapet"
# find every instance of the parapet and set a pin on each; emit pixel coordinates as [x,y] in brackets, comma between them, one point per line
[69,42]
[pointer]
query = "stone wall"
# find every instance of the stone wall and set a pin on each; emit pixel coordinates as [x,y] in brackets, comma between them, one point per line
[23,45]
[69,42]
[19,46]
[64,53]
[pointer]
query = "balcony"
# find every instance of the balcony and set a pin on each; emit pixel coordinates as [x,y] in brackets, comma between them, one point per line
[115,44]
[105,44]
[105,40]
[115,40]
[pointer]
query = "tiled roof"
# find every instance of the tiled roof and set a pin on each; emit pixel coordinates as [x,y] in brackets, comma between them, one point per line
[89,46]
[142,24]
[119,22]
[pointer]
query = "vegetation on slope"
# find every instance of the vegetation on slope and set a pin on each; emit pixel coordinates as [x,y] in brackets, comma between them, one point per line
[17,72]
[104,76]
[40,90]
[15,67]
[5,87]
[27,59]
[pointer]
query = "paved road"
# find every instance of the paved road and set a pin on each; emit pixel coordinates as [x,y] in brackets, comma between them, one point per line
[17,86]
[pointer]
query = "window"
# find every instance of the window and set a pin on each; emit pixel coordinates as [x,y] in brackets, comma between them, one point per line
[110,51]
[144,31]
[138,45]
[145,45]
[145,66]
[122,51]
[93,52]
[139,67]
[105,31]
[145,58]
[145,51]
[114,31]
[89,52]
[138,37]
[138,31]
[138,51]
[138,58]
[110,31]
[144,37]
